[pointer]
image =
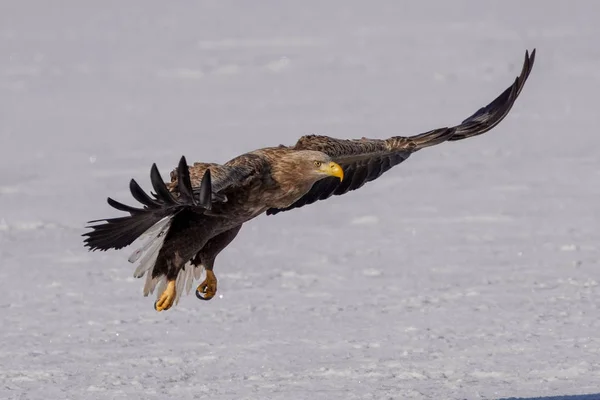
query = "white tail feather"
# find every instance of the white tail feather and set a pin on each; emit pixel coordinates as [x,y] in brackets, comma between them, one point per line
[156,237]
[148,234]
[150,284]
[198,272]
[148,261]
[179,281]
[190,277]
[147,255]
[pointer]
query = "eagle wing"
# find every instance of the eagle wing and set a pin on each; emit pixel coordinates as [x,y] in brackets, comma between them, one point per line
[225,178]
[196,188]
[116,233]
[364,160]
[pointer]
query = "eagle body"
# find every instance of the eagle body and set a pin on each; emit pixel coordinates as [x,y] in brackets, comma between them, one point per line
[188,221]
[253,182]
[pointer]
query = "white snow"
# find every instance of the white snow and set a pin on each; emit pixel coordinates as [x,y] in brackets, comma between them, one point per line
[469,272]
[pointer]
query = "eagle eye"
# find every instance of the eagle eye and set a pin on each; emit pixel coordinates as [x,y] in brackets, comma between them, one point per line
[317,164]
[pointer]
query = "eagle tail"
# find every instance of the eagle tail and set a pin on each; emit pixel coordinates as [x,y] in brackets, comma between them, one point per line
[154,216]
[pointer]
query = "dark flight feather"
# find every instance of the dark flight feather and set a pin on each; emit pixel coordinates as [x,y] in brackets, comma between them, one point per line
[206,190]
[364,160]
[162,192]
[124,207]
[186,194]
[116,233]
[489,116]
[138,193]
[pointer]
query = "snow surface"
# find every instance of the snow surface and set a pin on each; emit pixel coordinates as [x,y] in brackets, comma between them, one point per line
[470,271]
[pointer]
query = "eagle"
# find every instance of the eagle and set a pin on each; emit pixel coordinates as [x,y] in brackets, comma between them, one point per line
[188,221]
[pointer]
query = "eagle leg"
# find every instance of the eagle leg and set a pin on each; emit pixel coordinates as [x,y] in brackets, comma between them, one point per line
[208,288]
[167,298]
[206,258]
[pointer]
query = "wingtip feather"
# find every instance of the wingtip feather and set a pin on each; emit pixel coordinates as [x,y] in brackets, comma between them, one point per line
[184,183]
[205,199]
[162,192]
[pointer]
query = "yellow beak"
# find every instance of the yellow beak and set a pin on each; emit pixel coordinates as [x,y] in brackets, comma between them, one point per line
[334,169]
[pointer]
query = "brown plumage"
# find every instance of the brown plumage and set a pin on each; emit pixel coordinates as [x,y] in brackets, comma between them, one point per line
[191,219]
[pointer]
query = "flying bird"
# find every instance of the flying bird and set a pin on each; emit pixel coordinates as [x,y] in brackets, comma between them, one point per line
[188,221]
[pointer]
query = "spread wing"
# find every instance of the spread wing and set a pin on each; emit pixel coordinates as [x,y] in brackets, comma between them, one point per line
[116,233]
[200,188]
[364,160]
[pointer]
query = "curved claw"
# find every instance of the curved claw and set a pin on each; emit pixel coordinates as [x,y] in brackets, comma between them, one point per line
[203,298]
[208,288]
[161,309]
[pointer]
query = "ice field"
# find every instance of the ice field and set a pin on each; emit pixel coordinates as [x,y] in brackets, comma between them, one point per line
[470,271]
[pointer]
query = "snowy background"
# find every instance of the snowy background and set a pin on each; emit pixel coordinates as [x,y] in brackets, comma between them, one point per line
[470,271]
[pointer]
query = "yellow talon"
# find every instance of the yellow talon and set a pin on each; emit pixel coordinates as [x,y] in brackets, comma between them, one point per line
[167,298]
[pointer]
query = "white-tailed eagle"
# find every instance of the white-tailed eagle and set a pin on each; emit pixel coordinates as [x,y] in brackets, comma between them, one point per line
[191,219]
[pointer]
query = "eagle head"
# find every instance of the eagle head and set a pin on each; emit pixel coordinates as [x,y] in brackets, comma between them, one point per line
[316,165]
